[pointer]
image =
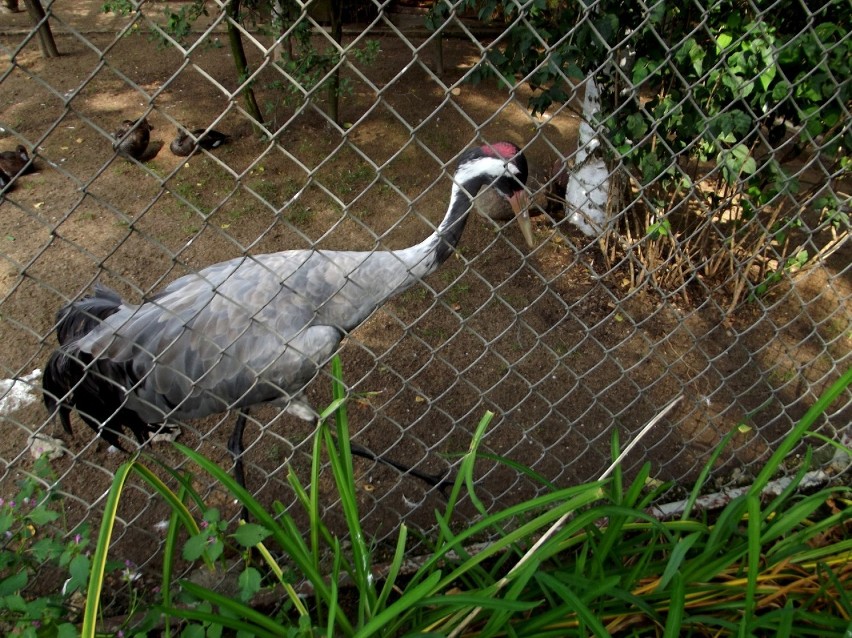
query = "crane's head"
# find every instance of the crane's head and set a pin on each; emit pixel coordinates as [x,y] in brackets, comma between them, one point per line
[503,167]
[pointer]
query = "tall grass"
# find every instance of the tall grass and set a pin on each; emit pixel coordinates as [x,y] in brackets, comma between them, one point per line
[764,565]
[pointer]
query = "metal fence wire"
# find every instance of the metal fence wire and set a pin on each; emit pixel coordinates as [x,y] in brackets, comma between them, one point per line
[567,343]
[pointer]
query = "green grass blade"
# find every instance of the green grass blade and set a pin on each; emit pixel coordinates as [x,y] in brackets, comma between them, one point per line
[184,479]
[410,597]
[275,568]
[313,502]
[792,517]
[792,487]
[238,609]
[465,600]
[393,570]
[674,618]
[584,614]
[221,620]
[465,470]
[98,565]
[520,468]
[705,472]
[753,558]
[285,532]
[502,609]
[174,501]
[792,439]
[170,552]
[345,480]
[333,603]
[677,557]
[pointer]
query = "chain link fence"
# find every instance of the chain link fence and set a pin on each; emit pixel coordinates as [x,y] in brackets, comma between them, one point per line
[567,343]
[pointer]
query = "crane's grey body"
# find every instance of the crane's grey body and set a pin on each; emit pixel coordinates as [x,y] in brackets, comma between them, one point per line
[246,331]
[251,330]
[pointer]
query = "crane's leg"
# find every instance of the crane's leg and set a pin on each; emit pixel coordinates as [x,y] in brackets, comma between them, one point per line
[441,481]
[235,447]
[300,408]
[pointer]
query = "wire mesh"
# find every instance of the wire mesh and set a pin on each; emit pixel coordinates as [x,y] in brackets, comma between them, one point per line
[566,343]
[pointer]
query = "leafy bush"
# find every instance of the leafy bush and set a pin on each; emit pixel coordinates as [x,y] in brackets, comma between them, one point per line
[680,87]
[31,546]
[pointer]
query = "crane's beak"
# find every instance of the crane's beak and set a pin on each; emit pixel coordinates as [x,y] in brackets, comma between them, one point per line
[521,206]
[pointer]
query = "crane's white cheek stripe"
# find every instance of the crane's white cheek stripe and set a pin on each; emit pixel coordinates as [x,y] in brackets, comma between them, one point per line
[484,166]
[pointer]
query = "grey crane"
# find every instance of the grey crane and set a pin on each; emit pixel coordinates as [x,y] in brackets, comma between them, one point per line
[247,331]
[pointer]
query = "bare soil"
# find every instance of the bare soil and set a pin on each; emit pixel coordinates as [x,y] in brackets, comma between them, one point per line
[562,356]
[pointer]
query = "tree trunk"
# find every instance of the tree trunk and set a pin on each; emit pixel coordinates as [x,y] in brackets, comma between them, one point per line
[232,10]
[45,36]
[336,9]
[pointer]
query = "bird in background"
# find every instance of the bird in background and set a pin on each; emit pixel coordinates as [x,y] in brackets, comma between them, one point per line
[132,137]
[251,330]
[14,162]
[185,143]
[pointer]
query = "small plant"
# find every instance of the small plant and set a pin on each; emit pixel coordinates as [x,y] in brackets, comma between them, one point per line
[30,545]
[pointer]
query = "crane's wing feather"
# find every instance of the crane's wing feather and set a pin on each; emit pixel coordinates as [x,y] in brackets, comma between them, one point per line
[241,332]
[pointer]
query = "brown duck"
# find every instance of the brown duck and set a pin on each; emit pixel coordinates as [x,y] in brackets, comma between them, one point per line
[184,145]
[14,162]
[132,138]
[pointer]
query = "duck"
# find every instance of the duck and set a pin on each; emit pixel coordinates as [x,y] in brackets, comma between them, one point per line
[132,138]
[184,145]
[14,162]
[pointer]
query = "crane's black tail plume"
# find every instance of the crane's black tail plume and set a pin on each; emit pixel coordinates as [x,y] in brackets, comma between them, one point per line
[69,382]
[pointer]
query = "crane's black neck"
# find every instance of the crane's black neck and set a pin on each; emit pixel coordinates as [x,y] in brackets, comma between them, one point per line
[424,258]
[446,237]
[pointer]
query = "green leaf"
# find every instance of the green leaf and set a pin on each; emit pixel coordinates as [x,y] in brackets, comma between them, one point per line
[79,570]
[66,630]
[781,91]
[250,534]
[662,228]
[41,516]
[723,41]
[249,582]
[14,603]
[13,583]
[194,546]
[696,56]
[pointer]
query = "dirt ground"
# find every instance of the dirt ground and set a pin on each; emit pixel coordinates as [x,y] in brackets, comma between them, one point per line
[561,356]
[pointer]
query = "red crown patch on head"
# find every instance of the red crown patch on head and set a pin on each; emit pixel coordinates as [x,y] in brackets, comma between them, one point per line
[505,150]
